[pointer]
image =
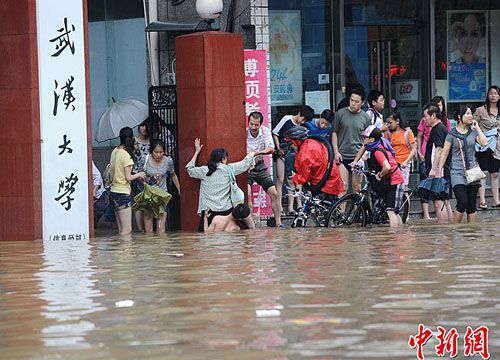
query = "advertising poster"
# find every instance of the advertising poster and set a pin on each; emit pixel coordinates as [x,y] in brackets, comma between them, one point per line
[256,99]
[285,55]
[467,55]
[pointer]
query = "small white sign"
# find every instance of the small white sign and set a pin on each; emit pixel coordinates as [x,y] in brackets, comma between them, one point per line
[318,100]
[408,90]
[323,79]
[63,119]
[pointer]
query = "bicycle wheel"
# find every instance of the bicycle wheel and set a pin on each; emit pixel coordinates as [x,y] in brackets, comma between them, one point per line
[404,210]
[348,211]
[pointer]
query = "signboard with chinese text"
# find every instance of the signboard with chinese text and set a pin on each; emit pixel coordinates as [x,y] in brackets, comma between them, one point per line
[467,55]
[63,119]
[256,99]
[285,54]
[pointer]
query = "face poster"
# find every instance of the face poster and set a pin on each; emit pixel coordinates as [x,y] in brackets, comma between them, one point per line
[467,55]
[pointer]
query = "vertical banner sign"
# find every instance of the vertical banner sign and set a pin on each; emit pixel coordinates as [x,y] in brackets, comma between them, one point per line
[63,119]
[285,54]
[467,55]
[255,66]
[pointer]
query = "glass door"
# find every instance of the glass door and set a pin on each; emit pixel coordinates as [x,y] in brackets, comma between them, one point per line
[383,50]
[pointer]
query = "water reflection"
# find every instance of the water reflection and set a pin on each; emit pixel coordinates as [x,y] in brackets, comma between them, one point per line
[68,289]
[314,293]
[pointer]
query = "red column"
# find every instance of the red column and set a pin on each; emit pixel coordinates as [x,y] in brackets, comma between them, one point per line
[20,186]
[210,103]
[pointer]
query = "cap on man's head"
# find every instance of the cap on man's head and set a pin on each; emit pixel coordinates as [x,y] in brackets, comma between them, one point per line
[240,212]
[372,131]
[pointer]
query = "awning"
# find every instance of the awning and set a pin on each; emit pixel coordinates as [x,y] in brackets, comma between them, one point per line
[172,26]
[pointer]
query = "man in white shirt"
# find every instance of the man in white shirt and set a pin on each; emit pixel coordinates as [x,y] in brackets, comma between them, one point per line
[260,141]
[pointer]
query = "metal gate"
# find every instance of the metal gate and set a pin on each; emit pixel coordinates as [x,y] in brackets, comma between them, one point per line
[163,124]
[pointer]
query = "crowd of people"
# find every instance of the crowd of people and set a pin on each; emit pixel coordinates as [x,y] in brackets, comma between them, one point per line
[323,154]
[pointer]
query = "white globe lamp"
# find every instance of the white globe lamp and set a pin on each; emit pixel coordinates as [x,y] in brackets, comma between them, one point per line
[209,9]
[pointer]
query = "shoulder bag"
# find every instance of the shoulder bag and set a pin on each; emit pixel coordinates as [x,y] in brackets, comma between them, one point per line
[236,194]
[473,174]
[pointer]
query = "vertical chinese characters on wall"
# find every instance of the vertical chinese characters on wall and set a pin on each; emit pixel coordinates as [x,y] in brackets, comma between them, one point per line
[63,119]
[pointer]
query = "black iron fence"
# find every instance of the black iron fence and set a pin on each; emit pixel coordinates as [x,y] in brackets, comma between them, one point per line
[163,124]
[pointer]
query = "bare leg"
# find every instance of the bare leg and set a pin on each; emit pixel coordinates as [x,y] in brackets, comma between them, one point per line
[291,199]
[118,223]
[425,211]
[148,225]
[161,223]
[441,215]
[458,217]
[273,194]
[394,219]
[494,188]
[471,218]
[449,211]
[482,190]
[139,220]
[124,216]
[249,194]
[344,174]
[280,178]
[299,200]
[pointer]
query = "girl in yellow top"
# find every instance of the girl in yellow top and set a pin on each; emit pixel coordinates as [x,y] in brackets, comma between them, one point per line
[121,172]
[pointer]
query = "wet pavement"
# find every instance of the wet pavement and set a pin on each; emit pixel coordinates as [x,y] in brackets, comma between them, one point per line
[264,294]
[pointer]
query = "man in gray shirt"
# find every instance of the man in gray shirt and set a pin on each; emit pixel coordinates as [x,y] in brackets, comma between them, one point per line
[348,125]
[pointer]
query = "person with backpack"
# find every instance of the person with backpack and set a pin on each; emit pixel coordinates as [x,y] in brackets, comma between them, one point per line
[314,163]
[403,142]
[460,142]
[390,178]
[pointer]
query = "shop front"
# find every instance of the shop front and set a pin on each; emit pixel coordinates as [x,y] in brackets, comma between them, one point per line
[410,51]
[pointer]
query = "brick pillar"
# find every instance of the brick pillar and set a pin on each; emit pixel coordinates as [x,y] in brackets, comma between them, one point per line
[210,102]
[20,188]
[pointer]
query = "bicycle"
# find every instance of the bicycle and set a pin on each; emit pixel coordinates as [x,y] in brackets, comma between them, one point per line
[314,211]
[365,207]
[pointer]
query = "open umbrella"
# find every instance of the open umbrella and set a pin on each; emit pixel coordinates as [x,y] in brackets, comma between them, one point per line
[434,188]
[127,112]
[152,201]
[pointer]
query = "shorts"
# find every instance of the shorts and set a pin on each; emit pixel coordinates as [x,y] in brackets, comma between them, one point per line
[394,198]
[120,201]
[487,162]
[261,176]
[346,163]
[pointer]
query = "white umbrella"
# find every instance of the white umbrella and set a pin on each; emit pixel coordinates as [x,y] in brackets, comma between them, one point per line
[127,112]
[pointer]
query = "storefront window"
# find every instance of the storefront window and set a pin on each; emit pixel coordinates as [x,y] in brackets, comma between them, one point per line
[300,60]
[467,50]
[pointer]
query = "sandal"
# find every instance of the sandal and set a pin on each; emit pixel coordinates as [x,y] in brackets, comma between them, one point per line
[496,205]
[482,205]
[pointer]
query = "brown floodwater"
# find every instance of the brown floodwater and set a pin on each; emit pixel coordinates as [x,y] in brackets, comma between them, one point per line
[263,294]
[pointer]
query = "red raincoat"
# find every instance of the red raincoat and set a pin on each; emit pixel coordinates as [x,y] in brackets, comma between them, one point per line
[310,165]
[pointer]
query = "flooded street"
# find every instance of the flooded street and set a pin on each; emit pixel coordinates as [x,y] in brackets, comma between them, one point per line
[266,294]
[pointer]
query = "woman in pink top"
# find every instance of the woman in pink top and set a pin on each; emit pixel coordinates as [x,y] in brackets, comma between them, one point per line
[422,137]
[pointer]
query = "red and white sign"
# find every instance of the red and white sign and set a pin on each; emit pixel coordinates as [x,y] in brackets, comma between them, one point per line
[256,99]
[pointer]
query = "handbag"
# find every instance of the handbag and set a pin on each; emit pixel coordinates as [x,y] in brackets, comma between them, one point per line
[236,195]
[473,174]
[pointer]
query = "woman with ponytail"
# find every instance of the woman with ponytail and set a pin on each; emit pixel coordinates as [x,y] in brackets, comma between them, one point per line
[121,173]
[215,187]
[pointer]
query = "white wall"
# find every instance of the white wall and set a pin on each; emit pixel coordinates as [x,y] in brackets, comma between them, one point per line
[118,65]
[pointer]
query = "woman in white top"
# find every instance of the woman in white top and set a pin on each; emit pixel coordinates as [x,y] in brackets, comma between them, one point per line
[215,187]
